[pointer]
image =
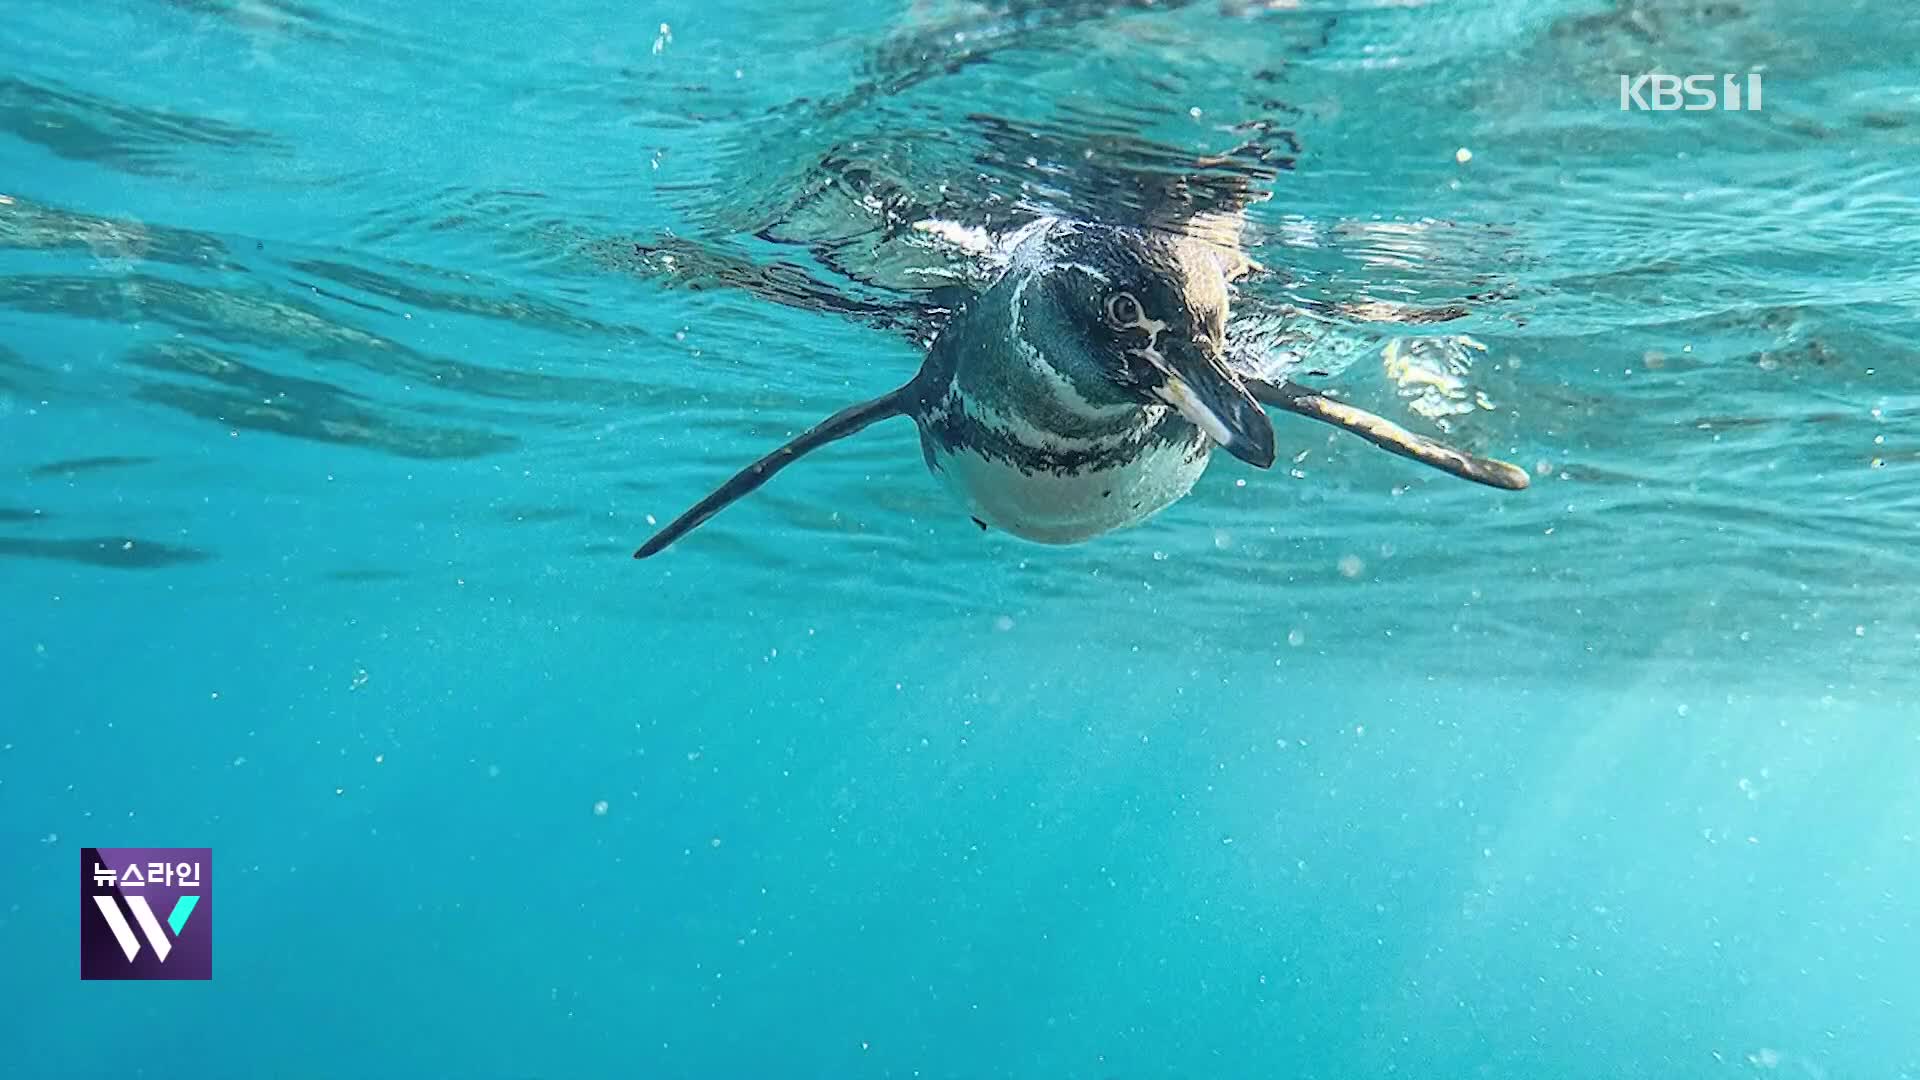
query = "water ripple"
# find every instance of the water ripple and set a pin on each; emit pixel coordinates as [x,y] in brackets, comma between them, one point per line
[653,256]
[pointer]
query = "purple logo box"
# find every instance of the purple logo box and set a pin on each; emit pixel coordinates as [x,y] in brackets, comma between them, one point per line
[146,913]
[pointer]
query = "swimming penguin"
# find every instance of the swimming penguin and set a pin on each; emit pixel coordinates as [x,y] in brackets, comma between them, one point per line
[1086,388]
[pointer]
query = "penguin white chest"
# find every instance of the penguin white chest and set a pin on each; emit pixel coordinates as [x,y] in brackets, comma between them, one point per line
[1064,507]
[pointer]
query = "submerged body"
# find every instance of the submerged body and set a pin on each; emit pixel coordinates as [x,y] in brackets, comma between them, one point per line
[1086,388]
[1032,443]
[1068,506]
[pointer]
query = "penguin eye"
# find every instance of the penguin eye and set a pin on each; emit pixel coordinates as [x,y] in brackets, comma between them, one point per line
[1122,309]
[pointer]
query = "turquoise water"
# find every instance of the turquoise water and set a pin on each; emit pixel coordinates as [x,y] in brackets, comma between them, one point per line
[335,395]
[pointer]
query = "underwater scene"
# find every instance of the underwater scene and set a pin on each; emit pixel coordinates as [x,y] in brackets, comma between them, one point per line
[1232,539]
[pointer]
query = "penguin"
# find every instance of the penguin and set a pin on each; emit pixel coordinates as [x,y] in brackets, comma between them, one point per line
[1085,389]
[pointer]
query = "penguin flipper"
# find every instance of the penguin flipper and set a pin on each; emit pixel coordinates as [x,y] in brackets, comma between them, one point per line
[846,422]
[1388,435]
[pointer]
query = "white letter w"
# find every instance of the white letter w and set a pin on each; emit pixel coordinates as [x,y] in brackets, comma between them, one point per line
[123,933]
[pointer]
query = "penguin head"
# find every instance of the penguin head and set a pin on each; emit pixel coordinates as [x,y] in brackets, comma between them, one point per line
[1139,316]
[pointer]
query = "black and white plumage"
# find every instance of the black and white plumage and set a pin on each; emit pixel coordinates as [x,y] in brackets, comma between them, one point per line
[1086,387]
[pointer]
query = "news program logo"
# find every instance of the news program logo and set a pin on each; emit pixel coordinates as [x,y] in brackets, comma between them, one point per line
[1660,92]
[146,913]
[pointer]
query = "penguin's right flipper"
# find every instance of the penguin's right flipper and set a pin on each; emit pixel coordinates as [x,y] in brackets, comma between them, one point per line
[1388,435]
[846,422]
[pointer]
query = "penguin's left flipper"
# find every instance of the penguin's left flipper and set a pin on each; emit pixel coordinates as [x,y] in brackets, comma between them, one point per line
[1388,435]
[847,421]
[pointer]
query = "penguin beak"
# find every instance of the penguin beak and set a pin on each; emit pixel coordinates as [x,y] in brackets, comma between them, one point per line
[1195,379]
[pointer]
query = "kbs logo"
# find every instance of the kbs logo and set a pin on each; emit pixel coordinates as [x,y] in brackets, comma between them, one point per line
[146,913]
[1656,92]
